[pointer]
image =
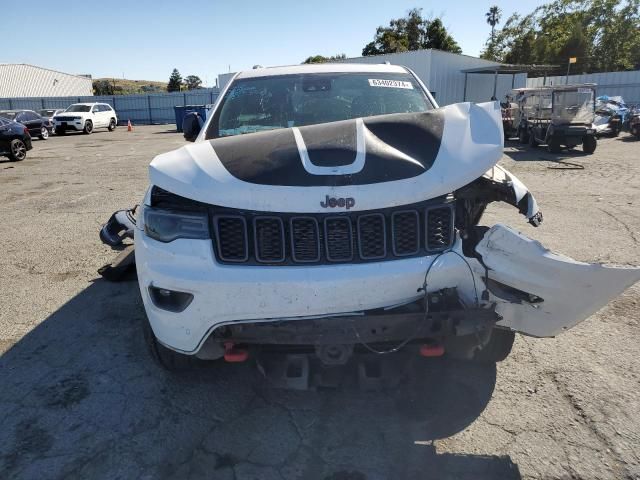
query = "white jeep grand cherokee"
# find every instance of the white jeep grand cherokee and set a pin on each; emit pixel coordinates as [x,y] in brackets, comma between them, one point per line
[86,117]
[336,207]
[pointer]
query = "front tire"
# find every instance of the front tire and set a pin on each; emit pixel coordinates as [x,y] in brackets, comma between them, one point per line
[554,145]
[44,133]
[166,358]
[60,131]
[18,150]
[523,136]
[589,144]
[88,127]
[498,348]
[533,143]
[112,125]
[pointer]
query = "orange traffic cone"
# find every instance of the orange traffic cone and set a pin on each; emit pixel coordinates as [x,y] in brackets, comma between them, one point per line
[129,127]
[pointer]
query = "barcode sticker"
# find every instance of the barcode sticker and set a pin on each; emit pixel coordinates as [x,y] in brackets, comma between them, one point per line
[374,82]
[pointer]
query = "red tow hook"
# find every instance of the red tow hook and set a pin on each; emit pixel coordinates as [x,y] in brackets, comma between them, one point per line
[431,350]
[232,354]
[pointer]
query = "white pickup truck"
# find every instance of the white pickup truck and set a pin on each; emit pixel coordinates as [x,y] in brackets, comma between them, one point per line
[336,207]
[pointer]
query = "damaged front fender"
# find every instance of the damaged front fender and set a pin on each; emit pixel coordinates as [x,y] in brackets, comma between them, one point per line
[541,293]
[497,185]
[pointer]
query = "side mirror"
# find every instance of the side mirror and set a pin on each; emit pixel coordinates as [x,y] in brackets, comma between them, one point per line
[191,126]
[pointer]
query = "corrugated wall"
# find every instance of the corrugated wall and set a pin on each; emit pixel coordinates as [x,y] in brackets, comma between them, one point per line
[419,61]
[442,74]
[447,79]
[21,80]
[626,84]
[140,109]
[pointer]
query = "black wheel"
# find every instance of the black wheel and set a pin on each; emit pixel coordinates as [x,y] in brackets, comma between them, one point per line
[88,127]
[166,358]
[523,136]
[532,140]
[18,150]
[589,144]
[60,131]
[554,145]
[498,348]
[112,125]
[44,133]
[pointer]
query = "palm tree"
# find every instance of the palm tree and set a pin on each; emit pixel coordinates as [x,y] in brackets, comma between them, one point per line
[493,18]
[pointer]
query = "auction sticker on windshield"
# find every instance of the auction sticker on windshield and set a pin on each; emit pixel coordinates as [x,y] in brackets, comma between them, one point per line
[374,82]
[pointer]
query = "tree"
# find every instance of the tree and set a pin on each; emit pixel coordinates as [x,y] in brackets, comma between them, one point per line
[323,59]
[102,87]
[604,35]
[175,81]
[493,18]
[192,82]
[413,32]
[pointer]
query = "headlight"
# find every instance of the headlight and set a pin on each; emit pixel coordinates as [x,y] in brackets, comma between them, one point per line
[168,225]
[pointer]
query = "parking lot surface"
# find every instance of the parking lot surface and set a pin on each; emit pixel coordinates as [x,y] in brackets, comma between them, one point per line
[81,398]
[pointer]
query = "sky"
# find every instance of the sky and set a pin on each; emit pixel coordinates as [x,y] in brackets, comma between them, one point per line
[145,39]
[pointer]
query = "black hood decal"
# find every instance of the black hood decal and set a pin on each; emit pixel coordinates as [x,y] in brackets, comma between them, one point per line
[396,147]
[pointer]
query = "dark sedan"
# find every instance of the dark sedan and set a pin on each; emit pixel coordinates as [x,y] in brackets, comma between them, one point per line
[15,140]
[38,126]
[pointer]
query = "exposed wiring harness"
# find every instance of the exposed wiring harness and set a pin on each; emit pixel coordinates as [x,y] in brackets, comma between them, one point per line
[426,306]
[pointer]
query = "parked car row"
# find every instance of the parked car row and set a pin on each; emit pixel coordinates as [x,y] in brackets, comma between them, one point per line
[18,127]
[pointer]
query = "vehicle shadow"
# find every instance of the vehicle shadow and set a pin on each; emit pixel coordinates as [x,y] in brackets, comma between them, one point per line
[81,398]
[525,153]
[628,138]
[174,131]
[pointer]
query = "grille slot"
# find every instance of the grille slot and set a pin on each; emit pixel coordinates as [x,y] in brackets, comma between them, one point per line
[338,237]
[405,229]
[231,238]
[439,228]
[269,239]
[305,239]
[372,236]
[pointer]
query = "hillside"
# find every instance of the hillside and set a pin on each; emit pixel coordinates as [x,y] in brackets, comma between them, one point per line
[121,86]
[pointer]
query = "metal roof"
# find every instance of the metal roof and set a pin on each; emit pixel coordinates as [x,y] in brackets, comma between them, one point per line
[512,69]
[556,87]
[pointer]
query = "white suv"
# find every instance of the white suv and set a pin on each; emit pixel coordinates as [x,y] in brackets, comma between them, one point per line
[335,207]
[85,117]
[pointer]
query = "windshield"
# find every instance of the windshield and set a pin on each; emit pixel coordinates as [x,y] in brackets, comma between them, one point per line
[47,113]
[79,108]
[268,103]
[574,106]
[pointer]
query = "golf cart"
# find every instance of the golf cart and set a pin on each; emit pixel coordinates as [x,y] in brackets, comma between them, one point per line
[558,116]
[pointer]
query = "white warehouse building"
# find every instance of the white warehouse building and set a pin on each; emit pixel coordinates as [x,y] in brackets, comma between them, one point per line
[444,75]
[22,80]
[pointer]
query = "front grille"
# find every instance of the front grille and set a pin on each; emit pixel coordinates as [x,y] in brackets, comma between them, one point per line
[253,238]
[65,119]
[372,236]
[269,239]
[439,228]
[305,239]
[405,227]
[338,239]
[231,238]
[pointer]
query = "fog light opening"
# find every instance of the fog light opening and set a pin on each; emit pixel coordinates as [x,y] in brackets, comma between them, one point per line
[170,300]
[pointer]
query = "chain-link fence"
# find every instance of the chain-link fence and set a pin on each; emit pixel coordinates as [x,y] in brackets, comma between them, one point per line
[140,109]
